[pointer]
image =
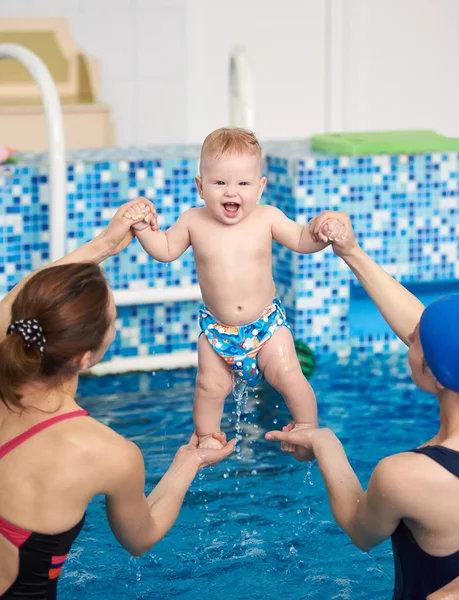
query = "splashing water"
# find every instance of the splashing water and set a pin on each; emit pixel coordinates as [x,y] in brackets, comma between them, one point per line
[134,571]
[235,523]
[240,394]
[308,476]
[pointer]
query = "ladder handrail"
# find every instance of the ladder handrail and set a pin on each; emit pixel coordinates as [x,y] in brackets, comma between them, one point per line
[241,90]
[54,124]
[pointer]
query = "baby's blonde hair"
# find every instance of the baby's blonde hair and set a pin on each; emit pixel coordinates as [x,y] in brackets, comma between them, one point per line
[228,140]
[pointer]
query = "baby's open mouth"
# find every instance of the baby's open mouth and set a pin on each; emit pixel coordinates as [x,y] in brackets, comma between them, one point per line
[231,208]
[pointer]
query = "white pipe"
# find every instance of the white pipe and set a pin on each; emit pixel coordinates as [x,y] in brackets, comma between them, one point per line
[54,124]
[157,295]
[182,359]
[242,113]
[163,295]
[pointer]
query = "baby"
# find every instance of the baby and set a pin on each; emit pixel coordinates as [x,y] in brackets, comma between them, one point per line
[244,327]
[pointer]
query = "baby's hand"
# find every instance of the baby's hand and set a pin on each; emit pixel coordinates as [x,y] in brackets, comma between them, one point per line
[210,441]
[341,247]
[142,217]
[333,230]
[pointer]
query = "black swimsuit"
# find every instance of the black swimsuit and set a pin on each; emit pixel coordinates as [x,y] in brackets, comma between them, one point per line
[417,573]
[41,556]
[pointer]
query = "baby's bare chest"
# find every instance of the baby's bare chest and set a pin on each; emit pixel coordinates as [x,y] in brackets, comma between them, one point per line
[220,244]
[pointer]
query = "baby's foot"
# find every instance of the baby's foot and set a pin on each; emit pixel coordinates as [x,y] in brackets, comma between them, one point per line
[306,453]
[287,447]
[208,441]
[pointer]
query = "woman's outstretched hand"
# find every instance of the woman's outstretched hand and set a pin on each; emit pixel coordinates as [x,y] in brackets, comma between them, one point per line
[118,233]
[207,456]
[301,439]
[322,230]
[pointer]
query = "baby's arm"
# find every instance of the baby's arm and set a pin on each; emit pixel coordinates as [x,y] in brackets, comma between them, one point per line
[297,237]
[164,246]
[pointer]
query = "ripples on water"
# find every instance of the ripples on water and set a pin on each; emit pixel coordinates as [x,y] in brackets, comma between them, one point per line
[257,525]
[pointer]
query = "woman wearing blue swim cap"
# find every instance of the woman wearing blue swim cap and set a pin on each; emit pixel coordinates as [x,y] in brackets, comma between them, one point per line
[412,497]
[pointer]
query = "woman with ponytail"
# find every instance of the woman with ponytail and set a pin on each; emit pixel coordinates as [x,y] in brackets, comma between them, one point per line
[54,458]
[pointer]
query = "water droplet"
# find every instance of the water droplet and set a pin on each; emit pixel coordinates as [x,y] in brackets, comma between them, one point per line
[308,477]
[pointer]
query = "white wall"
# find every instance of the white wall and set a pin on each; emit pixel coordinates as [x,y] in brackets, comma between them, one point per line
[400,66]
[141,46]
[164,63]
[285,41]
[353,64]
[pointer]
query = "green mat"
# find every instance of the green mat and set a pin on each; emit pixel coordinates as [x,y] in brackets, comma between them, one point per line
[384,142]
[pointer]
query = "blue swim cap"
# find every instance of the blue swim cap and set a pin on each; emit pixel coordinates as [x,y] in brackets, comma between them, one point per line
[439,335]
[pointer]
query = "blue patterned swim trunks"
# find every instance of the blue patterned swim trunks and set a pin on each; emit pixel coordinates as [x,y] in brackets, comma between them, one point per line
[240,345]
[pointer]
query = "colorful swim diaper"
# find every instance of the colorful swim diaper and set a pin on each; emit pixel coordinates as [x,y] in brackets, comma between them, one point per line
[239,345]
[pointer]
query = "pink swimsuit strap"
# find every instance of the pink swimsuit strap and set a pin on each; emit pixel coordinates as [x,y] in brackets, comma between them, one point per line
[22,437]
[14,534]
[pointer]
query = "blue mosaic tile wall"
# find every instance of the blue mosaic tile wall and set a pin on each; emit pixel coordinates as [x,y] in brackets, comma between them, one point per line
[95,190]
[155,329]
[97,183]
[314,288]
[24,232]
[404,211]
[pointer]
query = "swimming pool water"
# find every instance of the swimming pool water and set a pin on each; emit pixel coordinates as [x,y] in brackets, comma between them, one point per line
[257,525]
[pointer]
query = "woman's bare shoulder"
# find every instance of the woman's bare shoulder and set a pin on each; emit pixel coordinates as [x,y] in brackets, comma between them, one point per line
[101,458]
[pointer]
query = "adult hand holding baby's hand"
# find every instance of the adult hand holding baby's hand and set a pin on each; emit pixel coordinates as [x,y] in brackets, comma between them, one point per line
[333,231]
[143,215]
[335,227]
[118,234]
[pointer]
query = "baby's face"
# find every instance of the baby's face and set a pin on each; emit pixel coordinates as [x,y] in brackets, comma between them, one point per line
[231,186]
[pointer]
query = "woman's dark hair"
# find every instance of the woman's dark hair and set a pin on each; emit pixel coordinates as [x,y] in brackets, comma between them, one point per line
[70,302]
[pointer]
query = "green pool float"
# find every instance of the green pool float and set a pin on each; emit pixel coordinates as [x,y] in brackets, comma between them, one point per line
[306,358]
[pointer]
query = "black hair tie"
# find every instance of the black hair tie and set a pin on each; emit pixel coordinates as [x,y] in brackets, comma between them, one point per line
[31,332]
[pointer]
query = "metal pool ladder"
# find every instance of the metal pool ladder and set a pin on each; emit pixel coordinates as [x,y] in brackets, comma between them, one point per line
[241,90]
[55,128]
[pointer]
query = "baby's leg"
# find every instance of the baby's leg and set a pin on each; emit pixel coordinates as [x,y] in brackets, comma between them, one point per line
[280,366]
[213,384]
